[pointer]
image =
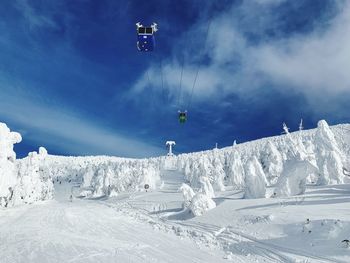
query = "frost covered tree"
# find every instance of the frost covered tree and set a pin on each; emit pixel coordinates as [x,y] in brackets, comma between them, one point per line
[206,187]
[34,180]
[255,180]
[218,175]
[272,162]
[235,170]
[88,175]
[187,193]
[98,183]
[328,156]
[199,202]
[200,167]
[150,176]
[297,168]
[293,178]
[8,176]
[111,178]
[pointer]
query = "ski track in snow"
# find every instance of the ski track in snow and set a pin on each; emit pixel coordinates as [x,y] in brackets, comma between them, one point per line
[132,227]
[239,246]
[88,231]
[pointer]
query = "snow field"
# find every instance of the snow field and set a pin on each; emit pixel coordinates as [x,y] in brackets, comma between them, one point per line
[278,199]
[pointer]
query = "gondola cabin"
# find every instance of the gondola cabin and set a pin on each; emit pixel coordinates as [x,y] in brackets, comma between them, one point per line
[145,39]
[182,116]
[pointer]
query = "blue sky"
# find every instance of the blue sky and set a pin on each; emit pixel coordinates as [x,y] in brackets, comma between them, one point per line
[72,80]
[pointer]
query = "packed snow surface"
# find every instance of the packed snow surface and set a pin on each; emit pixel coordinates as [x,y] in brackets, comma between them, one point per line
[278,199]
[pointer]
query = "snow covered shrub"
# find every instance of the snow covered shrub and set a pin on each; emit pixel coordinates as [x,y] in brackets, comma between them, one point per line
[272,162]
[328,156]
[201,203]
[255,180]
[235,170]
[8,177]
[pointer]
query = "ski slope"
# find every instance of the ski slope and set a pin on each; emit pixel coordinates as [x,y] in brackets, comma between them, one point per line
[89,231]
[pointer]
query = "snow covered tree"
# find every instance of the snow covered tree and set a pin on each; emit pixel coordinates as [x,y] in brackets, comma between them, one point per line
[218,175]
[8,176]
[206,187]
[328,156]
[188,194]
[272,162]
[255,180]
[35,182]
[235,171]
[293,178]
[297,168]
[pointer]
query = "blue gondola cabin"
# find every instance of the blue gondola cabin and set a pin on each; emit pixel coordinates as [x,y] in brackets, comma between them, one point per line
[145,38]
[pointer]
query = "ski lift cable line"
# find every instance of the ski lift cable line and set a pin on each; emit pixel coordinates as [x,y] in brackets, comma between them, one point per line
[150,85]
[182,70]
[161,75]
[198,67]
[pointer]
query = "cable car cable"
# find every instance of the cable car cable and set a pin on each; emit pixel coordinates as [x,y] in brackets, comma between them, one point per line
[198,67]
[180,89]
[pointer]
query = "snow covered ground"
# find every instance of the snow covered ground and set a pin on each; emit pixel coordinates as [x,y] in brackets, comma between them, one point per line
[152,227]
[101,212]
[89,231]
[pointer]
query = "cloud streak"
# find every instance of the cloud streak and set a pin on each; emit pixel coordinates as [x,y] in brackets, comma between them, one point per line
[32,17]
[53,126]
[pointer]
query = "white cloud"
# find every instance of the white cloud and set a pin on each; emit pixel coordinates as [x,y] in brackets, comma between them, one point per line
[316,62]
[310,63]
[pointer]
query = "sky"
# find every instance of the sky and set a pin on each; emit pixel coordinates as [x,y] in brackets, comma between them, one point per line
[73,81]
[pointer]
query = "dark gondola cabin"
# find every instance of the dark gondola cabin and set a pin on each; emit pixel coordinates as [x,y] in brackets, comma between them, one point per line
[182,117]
